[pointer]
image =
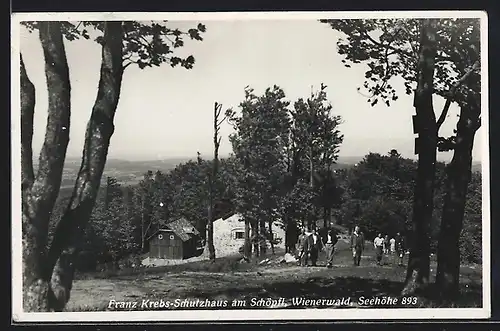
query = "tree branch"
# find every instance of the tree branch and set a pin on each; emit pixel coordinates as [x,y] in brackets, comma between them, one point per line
[27,113]
[452,92]
[147,229]
[388,46]
[47,183]
[221,121]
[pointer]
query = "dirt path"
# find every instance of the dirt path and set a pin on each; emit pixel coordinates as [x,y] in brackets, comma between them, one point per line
[266,281]
[91,292]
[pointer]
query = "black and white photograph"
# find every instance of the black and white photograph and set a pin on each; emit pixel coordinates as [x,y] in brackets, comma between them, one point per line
[250,166]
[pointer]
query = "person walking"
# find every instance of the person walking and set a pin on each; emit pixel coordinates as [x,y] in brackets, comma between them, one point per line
[316,247]
[306,248]
[400,248]
[392,243]
[300,246]
[331,241]
[378,242]
[357,245]
[386,244]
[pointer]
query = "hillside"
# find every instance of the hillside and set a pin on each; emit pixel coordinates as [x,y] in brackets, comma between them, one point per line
[126,172]
[131,172]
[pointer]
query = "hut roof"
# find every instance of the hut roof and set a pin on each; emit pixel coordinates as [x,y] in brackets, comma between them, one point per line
[181,227]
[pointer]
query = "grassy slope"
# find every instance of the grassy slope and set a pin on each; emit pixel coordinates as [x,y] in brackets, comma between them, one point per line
[227,279]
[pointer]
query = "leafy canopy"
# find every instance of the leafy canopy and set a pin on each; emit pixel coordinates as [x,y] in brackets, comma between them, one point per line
[389,48]
[145,44]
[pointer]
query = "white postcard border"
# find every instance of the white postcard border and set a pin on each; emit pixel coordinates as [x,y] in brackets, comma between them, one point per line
[252,314]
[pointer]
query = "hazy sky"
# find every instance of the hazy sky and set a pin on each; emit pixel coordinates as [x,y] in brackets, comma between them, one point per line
[167,112]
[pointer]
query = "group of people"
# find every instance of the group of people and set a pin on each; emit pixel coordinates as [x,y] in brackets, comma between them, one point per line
[382,245]
[310,243]
[385,246]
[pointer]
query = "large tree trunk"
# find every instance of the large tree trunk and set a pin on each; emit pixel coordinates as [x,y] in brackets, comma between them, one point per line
[458,177]
[66,244]
[40,193]
[417,277]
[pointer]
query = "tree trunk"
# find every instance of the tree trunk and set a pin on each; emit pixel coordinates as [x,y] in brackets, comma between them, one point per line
[247,247]
[262,237]
[67,239]
[312,219]
[326,220]
[27,114]
[271,237]
[210,233]
[40,193]
[287,234]
[213,182]
[458,177]
[417,276]
[311,169]
[255,236]
[143,228]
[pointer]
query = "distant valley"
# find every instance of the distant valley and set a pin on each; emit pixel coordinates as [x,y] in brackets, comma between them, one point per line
[131,172]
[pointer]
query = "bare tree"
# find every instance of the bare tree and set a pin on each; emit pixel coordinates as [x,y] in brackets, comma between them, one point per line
[212,181]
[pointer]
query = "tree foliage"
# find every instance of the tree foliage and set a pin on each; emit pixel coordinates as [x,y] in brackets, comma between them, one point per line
[145,44]
[389,48]
[386,210]
[259,143]
[431,57]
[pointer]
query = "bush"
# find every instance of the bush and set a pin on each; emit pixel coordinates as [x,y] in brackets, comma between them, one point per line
[471,245]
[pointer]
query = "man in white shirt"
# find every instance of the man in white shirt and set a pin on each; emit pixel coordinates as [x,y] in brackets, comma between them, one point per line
[393,245]
[331,240]
[378,242]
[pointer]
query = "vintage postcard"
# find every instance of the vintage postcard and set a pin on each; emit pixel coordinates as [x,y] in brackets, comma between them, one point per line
[264,166]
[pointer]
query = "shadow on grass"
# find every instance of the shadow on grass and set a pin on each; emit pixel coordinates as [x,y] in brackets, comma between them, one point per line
[223,264]
[337,288]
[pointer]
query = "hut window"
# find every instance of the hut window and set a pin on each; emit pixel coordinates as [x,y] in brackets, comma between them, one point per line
[239,234]
[172,237]
[160,236]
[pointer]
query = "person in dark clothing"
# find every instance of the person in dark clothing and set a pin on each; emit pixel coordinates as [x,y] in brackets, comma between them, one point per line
[386,245]
[316,247]
[292,234]
[305,244]
[300,246]
[331,240]
[357,245]
[400,248]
